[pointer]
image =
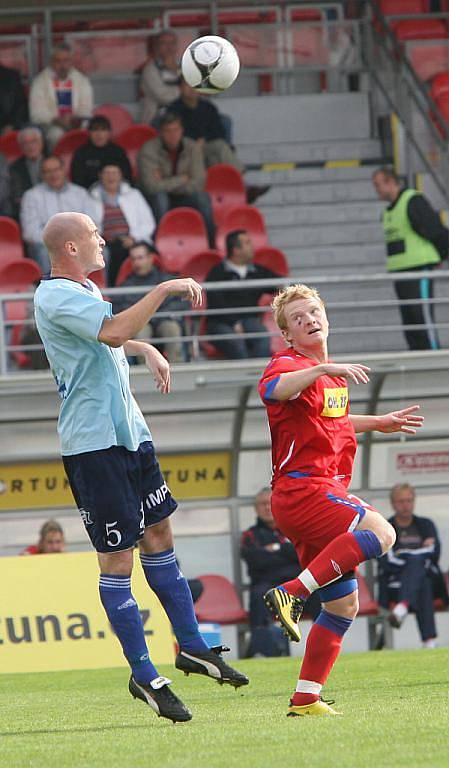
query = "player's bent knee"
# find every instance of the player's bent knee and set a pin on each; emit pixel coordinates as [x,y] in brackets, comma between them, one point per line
[346,606]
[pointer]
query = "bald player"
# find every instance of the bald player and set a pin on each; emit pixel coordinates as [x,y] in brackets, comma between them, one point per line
[108,453]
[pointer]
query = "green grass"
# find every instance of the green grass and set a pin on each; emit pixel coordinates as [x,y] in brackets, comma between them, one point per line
[395,708]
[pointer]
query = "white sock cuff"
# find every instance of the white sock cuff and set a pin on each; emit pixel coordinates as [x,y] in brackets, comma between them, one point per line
[308,686]
[308,580]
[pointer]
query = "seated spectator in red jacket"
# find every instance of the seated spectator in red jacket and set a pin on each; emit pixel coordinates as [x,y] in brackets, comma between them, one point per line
[51,540]
[146,274]
[124,214]
[98,151]
[269,556]
[238,265]
[26,171]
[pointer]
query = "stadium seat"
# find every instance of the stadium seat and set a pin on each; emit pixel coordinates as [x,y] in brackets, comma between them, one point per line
[403,7]
[118,116]
[180,235]
[19,275]
[11,247]
[443,106]
[132,139]
[9,146]
[99,278]
[440,86]
[199,266]
[277,343]
[16,312]
[126,269]
[420,29]
[68,143]
[219,602]
[243,217]
[226,189]
[368,606]
[272,258]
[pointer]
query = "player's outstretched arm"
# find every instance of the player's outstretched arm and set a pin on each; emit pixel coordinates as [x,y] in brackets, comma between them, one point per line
[406,420]
[292,383]
[155,362]
[118,329]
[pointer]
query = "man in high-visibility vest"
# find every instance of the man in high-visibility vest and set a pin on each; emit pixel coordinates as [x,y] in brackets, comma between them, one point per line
[416,241]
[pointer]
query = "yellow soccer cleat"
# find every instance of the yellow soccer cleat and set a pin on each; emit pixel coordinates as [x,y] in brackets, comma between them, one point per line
[319,708]
[286,609]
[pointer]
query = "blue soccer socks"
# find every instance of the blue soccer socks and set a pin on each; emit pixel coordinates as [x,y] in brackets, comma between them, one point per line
[166,580]
[124,616]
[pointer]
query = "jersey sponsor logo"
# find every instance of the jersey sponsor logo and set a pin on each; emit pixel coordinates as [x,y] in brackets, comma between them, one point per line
[335,402]
[154,499]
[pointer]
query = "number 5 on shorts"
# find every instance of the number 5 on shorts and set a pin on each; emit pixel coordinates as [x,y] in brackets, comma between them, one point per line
[114,536]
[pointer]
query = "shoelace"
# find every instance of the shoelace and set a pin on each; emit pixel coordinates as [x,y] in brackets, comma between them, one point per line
[296,609]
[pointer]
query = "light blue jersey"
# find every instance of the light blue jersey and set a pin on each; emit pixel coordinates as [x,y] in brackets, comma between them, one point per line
[98,409]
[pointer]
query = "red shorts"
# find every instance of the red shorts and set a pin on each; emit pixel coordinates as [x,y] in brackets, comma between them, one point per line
[312,512]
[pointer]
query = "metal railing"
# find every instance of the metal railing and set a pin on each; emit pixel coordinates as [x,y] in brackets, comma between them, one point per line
[360,313]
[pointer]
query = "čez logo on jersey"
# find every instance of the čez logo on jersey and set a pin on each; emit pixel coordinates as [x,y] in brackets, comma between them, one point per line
[155,498]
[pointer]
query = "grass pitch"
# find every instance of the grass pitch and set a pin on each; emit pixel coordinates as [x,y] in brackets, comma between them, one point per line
[395,707]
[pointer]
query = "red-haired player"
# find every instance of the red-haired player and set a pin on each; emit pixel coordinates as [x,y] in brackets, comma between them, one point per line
[313,448]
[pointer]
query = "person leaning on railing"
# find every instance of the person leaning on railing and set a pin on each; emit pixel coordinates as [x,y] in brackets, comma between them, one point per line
[416,240]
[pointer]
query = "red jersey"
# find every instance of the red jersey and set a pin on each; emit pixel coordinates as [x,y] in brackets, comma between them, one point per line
[311,434]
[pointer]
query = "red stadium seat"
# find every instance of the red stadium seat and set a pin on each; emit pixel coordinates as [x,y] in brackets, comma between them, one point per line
[403,7]
[219,601]
[443,106]
[16,312]
[243,217]
[11,247]
[99,278]
[19,276]
[180,235]
[124,272]
[118,116]
[132,139]
[272,258]
[440,86]
[226,189]
[420,29]
[368,606]
[10,147]
[68,143]
[428,60]
[201,264]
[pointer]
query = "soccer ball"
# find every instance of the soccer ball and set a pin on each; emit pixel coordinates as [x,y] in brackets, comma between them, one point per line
[210,64]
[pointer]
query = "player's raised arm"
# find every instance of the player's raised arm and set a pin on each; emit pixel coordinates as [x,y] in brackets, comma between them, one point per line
[118,329]
[294,382]
[405,420]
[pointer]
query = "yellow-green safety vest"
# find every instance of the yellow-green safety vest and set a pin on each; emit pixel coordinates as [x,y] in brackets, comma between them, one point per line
[405,248]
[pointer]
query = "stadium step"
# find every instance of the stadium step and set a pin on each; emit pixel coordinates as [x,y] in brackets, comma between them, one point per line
[318,192]
[325,234]
[309,151]
[303,175]
[327,259]
[322,213]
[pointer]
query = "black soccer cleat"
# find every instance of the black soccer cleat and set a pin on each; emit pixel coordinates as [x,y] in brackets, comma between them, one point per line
[161,699]
[211,664]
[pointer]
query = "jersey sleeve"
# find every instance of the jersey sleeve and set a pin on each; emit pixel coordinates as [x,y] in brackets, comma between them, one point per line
[79,312]
[272,374]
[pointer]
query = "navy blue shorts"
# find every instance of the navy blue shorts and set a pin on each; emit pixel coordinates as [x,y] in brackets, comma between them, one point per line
[118,493]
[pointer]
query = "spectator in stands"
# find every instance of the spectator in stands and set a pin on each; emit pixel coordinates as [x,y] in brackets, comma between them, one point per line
[202,122]
[13,102]
[238,265]
[161,76]
[54,195]
[26,171]
[61,97]
[172,172]
[5,199]
[124,214]
[270,559]
[145,274]
[409,576]
[416,240]
[51,540]
[98,151]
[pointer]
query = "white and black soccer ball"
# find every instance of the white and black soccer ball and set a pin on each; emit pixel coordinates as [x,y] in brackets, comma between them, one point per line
[210,64]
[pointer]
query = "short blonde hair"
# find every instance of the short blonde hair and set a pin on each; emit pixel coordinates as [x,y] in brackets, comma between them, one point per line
[289,294]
